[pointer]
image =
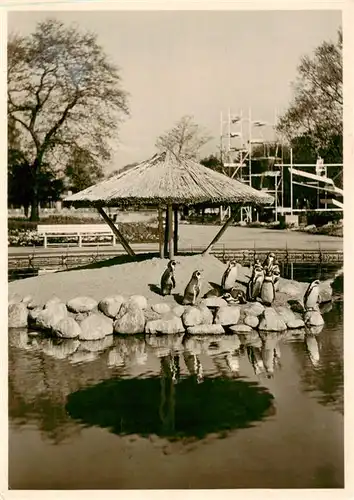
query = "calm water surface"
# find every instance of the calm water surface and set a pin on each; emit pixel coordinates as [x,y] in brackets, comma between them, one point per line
[174,412]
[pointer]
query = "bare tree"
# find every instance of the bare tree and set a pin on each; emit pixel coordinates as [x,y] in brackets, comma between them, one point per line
[63,96]
[185,139]
[317,106]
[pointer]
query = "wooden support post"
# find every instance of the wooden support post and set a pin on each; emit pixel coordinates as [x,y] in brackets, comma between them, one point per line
[161,236]
[170,232]
[117,233]
[229,221]
[175,232]
[165,246]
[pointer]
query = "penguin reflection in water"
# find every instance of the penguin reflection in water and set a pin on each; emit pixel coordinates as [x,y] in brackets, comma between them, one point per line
[192,290]
[311,296]
[255,284]
[168,281]
[229,277]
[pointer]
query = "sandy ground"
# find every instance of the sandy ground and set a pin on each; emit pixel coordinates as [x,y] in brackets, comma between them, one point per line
[120,279]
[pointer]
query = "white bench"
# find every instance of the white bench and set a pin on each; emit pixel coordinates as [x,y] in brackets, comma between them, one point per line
[78,230]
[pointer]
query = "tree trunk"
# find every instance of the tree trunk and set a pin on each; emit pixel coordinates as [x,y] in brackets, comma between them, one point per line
[35,198]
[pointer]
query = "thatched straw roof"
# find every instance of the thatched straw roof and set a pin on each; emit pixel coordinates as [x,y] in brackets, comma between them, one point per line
[164,179]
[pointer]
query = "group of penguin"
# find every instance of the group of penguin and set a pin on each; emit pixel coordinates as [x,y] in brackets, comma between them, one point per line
[263,284]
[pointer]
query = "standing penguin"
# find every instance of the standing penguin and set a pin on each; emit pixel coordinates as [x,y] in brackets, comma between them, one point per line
[255,284]
[269,261]
[192,290]
[311,295]
[267,290]
[229,277]
[168,281]
[276,274]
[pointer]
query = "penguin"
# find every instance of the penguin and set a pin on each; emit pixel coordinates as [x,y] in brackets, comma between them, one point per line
[229,277]
[192,290]
[255,283]
[168,281]
[311,296]
[269,261]
[267,290]
[235,296]
[276,274]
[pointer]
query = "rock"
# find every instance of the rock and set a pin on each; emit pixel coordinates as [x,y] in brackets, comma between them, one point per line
[178,310]
[131,319]
[251,321]
[254,309]
[51,301]
[60,349]
[80,316]
[33,315]
[81,304]
[140,300]
[207,315]
[17,315]
[325,292]
[286,313]
[161,308]
[95,327]
[313,318]
[47,318]
[288,287]
[67,328]
[295,323]
[214,302]
[228,315]
[240,328]
[197,315]
[168,326]
[296,305]
[209,329]
[271,321]
[151,315]
[110,305]
[97,345]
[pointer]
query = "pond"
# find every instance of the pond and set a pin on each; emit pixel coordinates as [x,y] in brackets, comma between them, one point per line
[172,412]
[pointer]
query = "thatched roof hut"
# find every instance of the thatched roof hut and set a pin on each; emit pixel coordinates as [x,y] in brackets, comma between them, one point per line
[167,182]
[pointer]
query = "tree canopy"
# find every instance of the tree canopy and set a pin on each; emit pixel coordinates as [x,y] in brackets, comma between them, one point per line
[64,98]
[315,113]
[186,138]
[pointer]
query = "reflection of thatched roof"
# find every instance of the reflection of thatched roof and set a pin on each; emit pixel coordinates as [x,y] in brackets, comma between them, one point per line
[164,179]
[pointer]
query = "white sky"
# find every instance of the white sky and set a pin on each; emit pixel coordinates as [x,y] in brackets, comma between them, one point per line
[199,63]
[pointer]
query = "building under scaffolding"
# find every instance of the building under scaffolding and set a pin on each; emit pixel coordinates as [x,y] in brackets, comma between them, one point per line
[241,137]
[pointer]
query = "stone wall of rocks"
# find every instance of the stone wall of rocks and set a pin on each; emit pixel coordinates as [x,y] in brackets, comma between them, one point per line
[84,318]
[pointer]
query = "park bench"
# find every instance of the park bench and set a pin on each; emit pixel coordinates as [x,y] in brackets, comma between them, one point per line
[81,231]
